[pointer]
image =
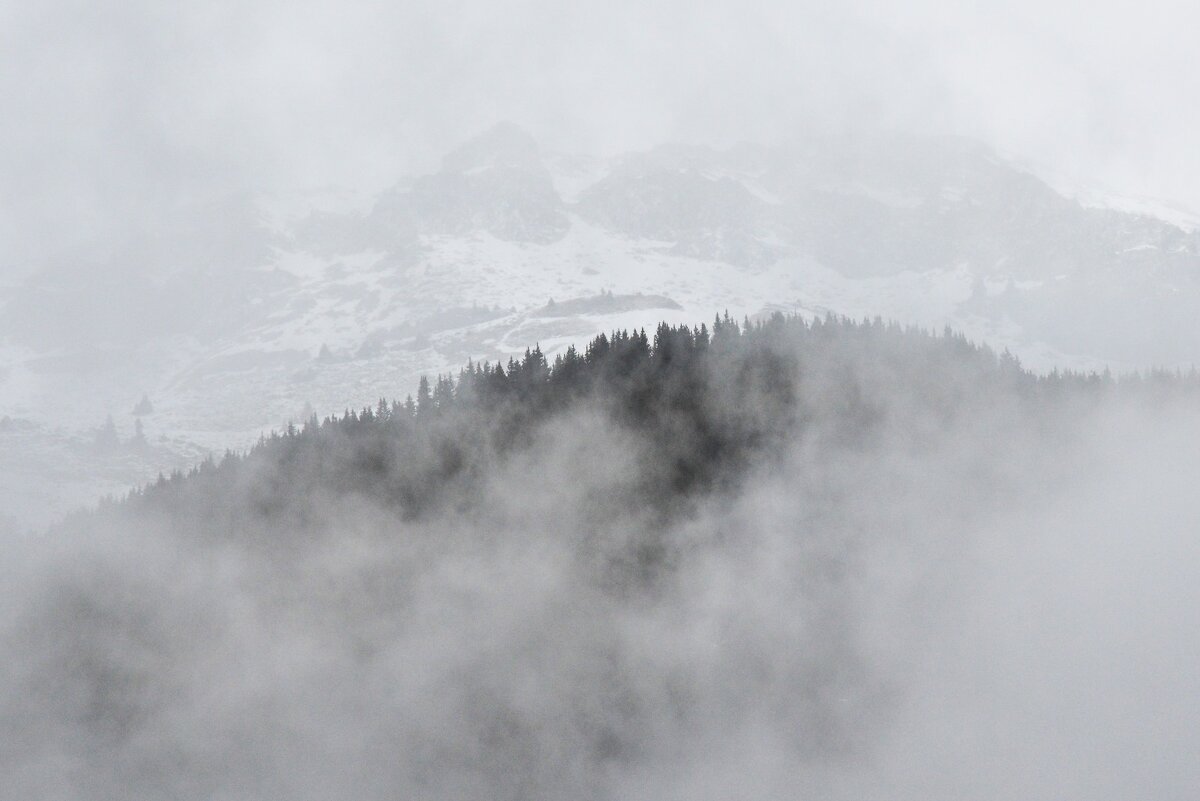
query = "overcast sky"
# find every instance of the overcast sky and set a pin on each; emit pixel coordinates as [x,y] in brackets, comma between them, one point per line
[115,110]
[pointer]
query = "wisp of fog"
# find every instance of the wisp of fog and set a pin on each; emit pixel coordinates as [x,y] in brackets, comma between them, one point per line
[918,572]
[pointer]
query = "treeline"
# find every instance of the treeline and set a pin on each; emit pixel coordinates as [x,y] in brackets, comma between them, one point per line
[706,399]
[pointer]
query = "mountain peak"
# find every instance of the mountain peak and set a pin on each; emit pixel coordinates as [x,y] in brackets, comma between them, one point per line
[502,145]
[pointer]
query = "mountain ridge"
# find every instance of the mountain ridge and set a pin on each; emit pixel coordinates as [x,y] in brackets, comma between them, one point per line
[252,309]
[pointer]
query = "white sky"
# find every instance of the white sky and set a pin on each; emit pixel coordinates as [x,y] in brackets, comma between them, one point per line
[112,111]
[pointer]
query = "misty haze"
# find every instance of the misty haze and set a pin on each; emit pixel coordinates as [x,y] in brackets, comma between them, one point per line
[603,401]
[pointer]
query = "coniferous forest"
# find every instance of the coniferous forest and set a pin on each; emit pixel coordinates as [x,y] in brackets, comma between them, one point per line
[682,560]
[706,402]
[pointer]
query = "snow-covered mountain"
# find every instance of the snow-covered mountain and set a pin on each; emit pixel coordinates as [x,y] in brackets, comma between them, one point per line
[238,316]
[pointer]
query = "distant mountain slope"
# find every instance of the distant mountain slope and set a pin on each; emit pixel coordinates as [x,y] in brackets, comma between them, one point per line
[238,314]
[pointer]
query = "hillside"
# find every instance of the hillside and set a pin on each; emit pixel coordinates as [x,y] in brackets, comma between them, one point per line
[575,578]
[238,315]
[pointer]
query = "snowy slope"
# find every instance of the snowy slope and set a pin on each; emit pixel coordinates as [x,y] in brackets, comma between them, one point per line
[250,312]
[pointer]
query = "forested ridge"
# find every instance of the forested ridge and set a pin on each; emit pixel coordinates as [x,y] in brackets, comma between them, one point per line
[708,398]
[639,570]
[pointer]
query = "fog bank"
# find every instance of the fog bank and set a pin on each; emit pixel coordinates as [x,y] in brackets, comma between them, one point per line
[979,605]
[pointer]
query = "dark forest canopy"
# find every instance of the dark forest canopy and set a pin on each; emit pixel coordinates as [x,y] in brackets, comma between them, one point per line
[710,399]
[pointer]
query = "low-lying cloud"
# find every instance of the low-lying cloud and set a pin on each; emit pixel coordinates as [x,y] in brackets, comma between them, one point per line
[988,606]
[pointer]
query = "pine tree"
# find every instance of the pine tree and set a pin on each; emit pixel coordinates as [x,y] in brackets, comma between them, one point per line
[139,435]
[424,397]
[144,406]
[106,436]
[443,393]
